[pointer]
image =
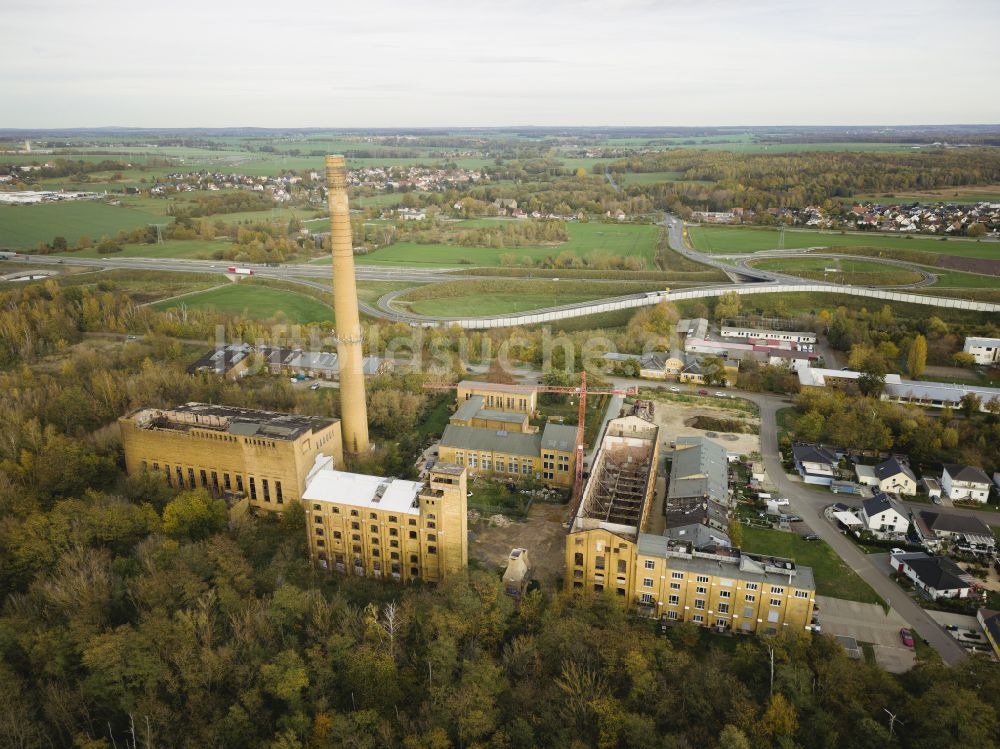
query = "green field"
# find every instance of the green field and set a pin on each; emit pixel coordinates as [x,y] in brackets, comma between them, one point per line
[988,193]
[173,248]
[617,239]
[497,296]
[255,301]
[857,272]
[833,577]
[24,227]
[728,239]
[957,280]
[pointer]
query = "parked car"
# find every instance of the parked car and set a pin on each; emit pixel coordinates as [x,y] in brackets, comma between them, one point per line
[896,550]
[907,637]
[810,537]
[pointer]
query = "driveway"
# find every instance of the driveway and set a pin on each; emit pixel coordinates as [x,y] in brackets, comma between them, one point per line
[868,622]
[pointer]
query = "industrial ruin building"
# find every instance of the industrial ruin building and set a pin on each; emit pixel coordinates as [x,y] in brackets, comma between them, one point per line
[611,547]
[240,453]
[385,527]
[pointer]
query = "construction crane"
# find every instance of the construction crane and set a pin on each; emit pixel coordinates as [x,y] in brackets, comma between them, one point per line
[579,390]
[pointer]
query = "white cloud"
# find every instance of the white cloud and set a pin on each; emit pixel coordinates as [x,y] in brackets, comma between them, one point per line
[381,63]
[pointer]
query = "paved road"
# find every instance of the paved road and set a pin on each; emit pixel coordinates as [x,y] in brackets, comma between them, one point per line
[926,277]
[809,506]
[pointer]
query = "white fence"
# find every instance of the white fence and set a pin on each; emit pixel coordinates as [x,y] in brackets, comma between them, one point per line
[642,300]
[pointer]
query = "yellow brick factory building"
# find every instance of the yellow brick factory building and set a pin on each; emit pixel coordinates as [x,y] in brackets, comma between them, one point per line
[262,456]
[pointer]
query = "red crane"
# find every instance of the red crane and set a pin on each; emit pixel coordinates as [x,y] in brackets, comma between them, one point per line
[578,390]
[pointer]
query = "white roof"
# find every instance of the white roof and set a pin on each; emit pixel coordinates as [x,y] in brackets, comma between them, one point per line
[817,376]
[977,341]
[360,490]
[847,518]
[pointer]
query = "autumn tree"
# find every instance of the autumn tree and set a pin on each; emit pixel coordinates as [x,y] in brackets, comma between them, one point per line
[916,359]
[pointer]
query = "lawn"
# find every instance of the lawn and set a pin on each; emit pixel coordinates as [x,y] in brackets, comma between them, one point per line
[728,239]
[498,296]
[255,301]
[833,577]
[616,239]
[25,226]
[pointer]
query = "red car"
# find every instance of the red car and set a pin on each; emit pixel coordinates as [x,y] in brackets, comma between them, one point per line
[906,636]
[702,392]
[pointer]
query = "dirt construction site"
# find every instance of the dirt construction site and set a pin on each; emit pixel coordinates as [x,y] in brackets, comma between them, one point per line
[674,418]
[541,533]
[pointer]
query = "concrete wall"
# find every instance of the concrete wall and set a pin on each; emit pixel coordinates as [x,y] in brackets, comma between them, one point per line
[634,301]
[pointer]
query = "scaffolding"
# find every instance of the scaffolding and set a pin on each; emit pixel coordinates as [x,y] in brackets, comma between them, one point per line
[619,486]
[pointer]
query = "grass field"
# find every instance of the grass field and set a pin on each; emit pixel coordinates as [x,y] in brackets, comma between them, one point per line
[833,577]
[498,296]
[857,272]
[173,248]
[727,239]
[24,227]
[617,239]
[967,194]
[953,279]
[255,301]
[144,285]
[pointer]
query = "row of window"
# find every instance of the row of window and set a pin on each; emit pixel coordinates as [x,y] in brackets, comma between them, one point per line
[208,479]
[487,464]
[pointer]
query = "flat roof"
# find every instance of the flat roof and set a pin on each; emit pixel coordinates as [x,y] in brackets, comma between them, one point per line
[246,422]
[361,490]
[498,386]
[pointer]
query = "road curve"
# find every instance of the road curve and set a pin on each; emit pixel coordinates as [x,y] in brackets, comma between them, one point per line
[764,282]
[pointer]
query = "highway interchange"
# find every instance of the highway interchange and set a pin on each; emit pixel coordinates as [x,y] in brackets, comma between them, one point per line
[746,279]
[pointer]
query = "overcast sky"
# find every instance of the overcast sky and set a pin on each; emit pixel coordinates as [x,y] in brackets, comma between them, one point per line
[379,63]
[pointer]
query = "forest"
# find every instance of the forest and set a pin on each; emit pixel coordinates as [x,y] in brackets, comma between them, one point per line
[720,180]
[135,616]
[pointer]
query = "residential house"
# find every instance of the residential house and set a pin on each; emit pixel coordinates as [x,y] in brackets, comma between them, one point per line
[935,577]
[231,362]
[816,464]
[698,373]
[884,517]
[893,476]
[984,350]
[989,620]
[969,534]
[968,483]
